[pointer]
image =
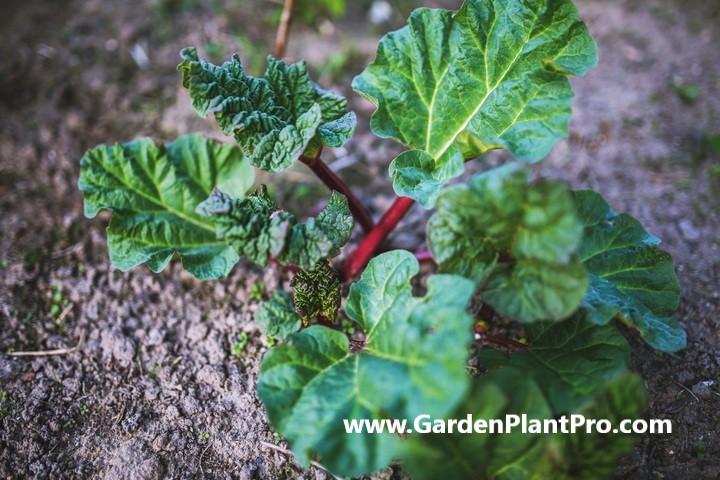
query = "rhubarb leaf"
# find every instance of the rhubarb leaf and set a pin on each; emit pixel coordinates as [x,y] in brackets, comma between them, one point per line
[516,241]
[277,317]
[595,455]
[412,363]
[570,360]
[463,454]
[630,277]
[153,190]
[317,293]
[257,228]
[496,69]
[274,118]
[516,454]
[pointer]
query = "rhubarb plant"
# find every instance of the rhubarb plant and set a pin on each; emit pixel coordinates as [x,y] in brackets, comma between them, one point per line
[558,268]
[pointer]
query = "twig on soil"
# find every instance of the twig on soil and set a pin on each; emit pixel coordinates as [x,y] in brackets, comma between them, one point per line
[689,391]
[202,472]
[66,251]
[48,353]
[283,29]
[287,452]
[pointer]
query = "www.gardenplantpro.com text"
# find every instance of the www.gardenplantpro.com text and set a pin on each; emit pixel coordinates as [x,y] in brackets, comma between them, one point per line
[510,423]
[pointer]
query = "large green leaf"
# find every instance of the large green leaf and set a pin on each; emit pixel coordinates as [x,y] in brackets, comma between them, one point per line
[451,455]
[569,360]
[630,277]
[412,363]
[496,69]
[583,454]
[531,454]
[257,228]
[153,190]
[517,241]
[273,118]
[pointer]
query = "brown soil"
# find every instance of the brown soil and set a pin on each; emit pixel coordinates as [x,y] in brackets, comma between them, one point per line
[154,390]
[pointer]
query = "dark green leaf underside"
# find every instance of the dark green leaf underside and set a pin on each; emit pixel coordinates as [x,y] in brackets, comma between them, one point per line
[630,277]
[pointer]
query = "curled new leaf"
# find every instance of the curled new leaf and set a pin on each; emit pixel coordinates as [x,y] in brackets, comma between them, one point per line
[412,363]
[496,70]
[317,293]
[258,229]
[517,241]
[274,118]
[630,277]
[153,190]
[277,317]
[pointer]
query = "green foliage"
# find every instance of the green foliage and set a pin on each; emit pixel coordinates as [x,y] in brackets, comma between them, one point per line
[516,240]
[570,360]
[630,277]
[317,293]
[255,227]
[495,69]
[274,118]
[449,86]
[153,191]
[277,317]
[315,380]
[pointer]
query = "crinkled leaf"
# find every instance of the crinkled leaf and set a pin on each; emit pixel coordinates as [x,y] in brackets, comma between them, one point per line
[153,190]
[496,69]
[277,317]
[517,241]
[630,277]
[583,455]
[258,229]
[412,363]
[273,118]
[570,360]
[317,292]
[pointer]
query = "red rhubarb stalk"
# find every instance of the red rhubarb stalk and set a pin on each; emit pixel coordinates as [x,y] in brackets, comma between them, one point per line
[424,256]
[361,255]
[328,177]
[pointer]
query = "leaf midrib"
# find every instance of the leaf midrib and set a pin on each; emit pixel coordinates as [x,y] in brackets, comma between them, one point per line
[159,202]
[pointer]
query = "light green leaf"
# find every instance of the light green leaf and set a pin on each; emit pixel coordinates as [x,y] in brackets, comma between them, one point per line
[153,190]
[517,241]
[317,293]
[570,360]
[496,69]
[412,362]
[277,317]
[630,277]
[275,118]
[258,229]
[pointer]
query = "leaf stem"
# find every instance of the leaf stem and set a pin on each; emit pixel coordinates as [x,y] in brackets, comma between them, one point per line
[284,29]
[361,255]
[329,178]
[424,256]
